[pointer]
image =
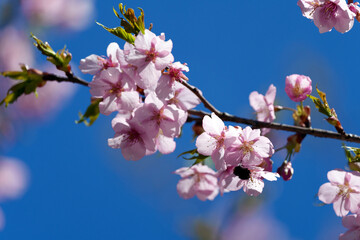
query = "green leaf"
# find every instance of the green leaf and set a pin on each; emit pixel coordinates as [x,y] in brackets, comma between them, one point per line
[29,79]
[91,113]
[199,158]
[60,59]
[120,32]
[320,106]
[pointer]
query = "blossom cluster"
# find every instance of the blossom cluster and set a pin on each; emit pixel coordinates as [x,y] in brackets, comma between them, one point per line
[142,83]
[343,191]
[328,14]
[241,158]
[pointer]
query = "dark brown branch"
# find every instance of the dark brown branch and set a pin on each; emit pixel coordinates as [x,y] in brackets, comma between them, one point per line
[69,78]
[284,127]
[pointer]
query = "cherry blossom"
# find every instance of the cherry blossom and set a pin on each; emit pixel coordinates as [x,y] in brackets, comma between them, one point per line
[251,180]
[133,140]
[168,79]
[351,222]
[150,55]
[328,14]
[199,180]
[298,87]
[94,64]
[249,149]
[343,191]
[155,115]
[264,106]
[215,140]
[183,98]
[117,91]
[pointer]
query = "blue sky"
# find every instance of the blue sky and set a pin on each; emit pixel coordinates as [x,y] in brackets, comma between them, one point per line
[82,189]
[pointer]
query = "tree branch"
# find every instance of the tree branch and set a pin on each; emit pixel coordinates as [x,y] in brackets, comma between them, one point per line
[69,78]
[284,127]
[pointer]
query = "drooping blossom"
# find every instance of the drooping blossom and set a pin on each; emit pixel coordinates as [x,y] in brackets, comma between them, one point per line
[352,223]
[134,141]
[199,180]
[286,170]
[94,64]
[150,54]
[117,91]
[328,14]
[73,14]
[264,106]
[249,149]
[298,87]
[343,191]
[251,180]
[215,140]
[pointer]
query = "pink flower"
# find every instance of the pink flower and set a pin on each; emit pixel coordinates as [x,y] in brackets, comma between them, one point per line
[183,98]
[168,79]
[251,180]
[133,140]
[352,222]
[264,106]
[199,180]
[94,64]
[116,89]
[215,140]
[343,191]
[298,87]
[249,149]
[150,55]
[155,115]
[328,14]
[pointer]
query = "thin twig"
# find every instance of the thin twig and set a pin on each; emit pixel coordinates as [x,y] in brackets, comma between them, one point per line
[70,78]
[284,127]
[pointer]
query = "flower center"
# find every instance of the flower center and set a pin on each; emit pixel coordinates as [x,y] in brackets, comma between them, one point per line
[151,55]
[246,147]
[329,9]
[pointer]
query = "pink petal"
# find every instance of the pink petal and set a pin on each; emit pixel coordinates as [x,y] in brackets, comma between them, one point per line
[327,193]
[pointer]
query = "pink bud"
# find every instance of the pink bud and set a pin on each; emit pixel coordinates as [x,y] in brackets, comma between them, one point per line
[297,87]
[286,171]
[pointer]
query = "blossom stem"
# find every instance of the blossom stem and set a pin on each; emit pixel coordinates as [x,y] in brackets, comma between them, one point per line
[279,108]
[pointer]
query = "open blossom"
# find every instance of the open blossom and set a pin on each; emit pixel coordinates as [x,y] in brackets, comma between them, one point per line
[215,140]
[328,14]
[251,180]
[199,180]
[150,54]
[133,140]
[351,222]
[168,79]
[264,105]
[249,149]
[94,64]
[117,91]
[183,98]
[298,87]
[155,115]
[343,191]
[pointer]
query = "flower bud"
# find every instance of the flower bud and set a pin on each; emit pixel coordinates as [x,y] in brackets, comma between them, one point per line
[286,171]
[298,87]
